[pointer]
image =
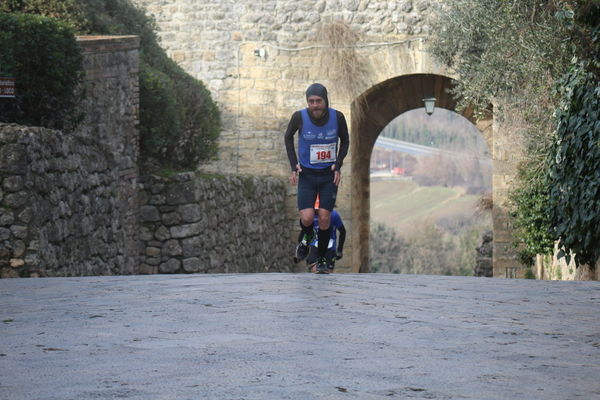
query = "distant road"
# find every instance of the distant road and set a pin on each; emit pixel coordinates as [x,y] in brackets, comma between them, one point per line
[404,147]
[418,149]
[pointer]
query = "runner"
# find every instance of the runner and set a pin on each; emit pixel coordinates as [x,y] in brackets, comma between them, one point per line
[334,250]
[317,167]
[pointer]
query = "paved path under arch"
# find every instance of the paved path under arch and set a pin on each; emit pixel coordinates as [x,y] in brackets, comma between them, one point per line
[298,336]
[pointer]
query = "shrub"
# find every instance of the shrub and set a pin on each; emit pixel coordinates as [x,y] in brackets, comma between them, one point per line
[179,121]
[156,92]
[43,56]
[574,169]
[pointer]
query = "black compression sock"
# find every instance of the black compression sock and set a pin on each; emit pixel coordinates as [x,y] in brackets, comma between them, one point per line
[324,236]
[306,230]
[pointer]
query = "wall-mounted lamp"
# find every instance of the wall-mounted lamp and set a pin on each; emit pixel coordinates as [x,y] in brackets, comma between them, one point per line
[429,104]
[261,53]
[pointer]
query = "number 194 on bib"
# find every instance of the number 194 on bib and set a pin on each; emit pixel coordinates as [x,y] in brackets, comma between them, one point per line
[322,153]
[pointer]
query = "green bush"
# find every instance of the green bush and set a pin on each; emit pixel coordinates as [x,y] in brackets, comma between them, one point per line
[43,56]
[529,200]
[157,92]
[179,121]
[574,168]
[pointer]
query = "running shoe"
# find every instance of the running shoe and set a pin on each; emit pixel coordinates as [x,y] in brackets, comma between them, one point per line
[322,266]
[303,247]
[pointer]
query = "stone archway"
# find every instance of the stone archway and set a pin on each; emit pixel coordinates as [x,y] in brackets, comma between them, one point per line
[371,112]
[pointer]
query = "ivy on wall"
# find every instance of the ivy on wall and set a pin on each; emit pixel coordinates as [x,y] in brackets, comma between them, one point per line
[574,167]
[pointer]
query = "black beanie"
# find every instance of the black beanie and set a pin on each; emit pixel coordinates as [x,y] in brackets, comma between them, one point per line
[316,89]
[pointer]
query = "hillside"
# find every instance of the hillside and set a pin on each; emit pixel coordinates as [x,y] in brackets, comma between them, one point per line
[403,205]
[424,229]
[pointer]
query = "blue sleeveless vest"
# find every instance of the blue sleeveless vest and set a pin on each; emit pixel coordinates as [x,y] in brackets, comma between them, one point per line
[317,145]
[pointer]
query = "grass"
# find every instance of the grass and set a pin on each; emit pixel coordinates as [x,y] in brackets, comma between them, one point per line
[403,204]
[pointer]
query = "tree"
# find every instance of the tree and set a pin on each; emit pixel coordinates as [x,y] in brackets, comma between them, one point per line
[515,54]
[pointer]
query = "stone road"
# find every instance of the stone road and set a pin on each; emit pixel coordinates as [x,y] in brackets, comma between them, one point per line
[298,336]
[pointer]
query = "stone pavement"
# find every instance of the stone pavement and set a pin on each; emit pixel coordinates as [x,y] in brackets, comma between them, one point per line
[298,336]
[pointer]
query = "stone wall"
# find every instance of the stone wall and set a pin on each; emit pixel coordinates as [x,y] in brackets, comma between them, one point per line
[258,58]
[483,259]
[212,223]
[68,200]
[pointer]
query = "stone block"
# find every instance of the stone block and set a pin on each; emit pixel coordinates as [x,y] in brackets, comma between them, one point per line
[32,260]
[171,218]
[152,261]
[162,233]
[13,183]
[157,200]
[145,233]
[16,200]
[264,84]
[260,97]
[153,251]
[178,56]
[4,234]
[17,262]
[18,248]
[172,248]
[170,266]
[184,231]
[5,253]
[6,217]
[192,247]
[192,264]
[190,212]
[19,231]
[180,193]
[13,158]
[146,269]
[149,214]
[8,273]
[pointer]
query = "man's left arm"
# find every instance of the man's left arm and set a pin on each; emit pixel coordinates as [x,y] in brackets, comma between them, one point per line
[344,141]
[336,221]
[343,150]
[340,246]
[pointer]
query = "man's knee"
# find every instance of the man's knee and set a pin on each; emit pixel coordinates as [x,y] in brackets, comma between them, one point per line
[307,216]
[324,219]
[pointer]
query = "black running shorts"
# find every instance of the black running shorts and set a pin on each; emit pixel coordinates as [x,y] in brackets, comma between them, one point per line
[315,181]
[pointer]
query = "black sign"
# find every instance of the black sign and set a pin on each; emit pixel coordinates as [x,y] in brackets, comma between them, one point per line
[7,87]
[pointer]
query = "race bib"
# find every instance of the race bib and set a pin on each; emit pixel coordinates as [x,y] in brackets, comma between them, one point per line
[322,153]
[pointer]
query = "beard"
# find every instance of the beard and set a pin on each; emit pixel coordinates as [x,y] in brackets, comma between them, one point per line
[318,113]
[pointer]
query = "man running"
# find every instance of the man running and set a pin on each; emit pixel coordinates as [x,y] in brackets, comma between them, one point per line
[317,168]
[335,247]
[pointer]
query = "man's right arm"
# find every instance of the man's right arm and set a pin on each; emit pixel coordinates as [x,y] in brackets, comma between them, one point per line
[293,126]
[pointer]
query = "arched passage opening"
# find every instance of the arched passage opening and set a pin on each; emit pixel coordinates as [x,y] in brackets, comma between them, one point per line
[372,111]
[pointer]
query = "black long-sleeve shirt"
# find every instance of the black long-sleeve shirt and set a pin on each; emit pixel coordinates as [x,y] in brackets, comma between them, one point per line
[295,125]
